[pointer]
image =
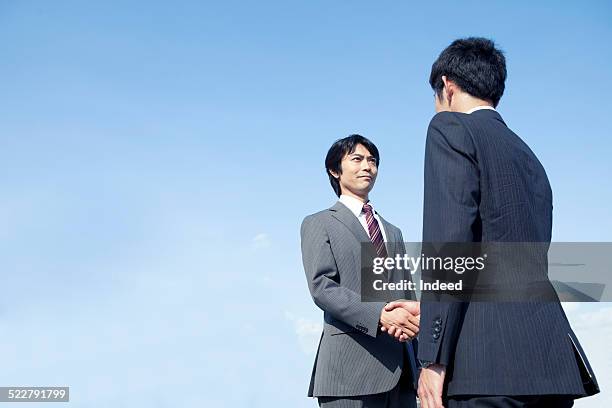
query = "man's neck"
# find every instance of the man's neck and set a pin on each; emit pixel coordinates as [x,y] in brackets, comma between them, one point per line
[465,103]
[356,196]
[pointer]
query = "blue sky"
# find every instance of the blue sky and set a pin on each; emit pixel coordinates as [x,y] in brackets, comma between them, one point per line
[157,160]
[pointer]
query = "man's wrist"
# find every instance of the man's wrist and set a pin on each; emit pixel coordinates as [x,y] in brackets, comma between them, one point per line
[429,364]
[425,363]
[382,312]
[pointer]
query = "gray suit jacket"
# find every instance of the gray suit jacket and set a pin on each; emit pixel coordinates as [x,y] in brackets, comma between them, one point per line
[353,357]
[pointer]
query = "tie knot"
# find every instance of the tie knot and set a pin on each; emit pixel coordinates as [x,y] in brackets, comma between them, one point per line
[367,208]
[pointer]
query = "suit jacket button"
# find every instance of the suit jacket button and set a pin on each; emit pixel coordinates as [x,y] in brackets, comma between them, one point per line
[436,336]
[438,321]
[437,329]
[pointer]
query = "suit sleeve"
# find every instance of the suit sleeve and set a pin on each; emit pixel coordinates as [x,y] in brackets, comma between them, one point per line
[450,213]
[323,281]
[408,294]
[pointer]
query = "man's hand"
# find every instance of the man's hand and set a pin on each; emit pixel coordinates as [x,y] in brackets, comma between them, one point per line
[412,307]
[401,322]
[431,382]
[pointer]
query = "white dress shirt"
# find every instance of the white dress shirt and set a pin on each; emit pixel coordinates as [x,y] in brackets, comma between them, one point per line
[356,207]
[479,108]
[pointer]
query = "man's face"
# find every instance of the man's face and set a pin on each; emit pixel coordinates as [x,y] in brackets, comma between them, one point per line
[359,170]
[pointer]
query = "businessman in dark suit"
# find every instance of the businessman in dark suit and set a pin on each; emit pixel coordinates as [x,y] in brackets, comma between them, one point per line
[357,365]
[484,184]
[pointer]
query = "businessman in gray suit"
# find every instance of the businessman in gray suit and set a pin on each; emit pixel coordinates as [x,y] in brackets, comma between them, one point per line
[357,364]
[484,184]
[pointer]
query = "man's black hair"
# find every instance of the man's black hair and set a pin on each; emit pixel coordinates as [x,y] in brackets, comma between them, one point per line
[341,148]
[475,65]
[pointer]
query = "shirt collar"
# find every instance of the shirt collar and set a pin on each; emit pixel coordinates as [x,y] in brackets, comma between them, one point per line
[354,204]
[479,108]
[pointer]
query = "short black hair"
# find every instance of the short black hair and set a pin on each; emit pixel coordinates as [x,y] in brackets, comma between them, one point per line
[341,148]
[475,64]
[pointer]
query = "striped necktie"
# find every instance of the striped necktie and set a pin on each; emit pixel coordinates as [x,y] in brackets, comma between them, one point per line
[375,232]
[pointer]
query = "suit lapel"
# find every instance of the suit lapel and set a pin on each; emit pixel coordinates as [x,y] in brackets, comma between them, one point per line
[391,238]
[346,217]
[391,245]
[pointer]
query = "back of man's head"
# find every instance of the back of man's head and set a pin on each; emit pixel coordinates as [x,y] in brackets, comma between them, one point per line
[475,65]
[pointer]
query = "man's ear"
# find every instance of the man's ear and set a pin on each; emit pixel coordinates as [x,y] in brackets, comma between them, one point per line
[334,174]
[450,87]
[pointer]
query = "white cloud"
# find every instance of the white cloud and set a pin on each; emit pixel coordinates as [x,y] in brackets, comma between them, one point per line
[260,241]
[308,332]
[570,307]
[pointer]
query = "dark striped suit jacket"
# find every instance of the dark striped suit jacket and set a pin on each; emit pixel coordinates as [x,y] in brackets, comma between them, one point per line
[483,183]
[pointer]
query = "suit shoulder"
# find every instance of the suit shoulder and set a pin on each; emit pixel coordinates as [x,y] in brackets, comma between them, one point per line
[392,226]
[449,128]
[319,215]
[317,218]
[398,232]
[448,124]
[447,118]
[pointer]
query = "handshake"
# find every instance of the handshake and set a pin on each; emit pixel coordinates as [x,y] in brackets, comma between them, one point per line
[400,319]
